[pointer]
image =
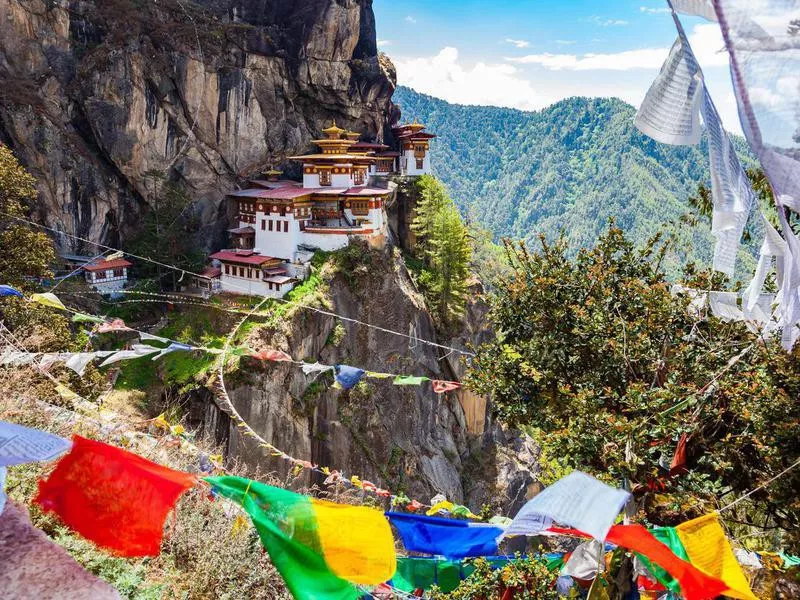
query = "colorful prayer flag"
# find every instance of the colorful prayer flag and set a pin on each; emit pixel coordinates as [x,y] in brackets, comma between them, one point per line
[452,538]
[116,499]
[409,380]
[109,326]
[709,550]
[7,290]
[273,355]
[48,299]
[348,377]
[83,318]
[440,387]
[578,500]
[320,548]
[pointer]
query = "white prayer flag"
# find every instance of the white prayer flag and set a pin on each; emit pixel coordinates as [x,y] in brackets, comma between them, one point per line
[20,445]
[695,8]
[670,112]
[138,351]
[773,246]
[585,561]
[309,368]
[79,361]
[731,193]
[578,500]
[725,306]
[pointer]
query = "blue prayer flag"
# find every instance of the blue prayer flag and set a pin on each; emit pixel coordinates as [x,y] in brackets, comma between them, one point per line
[7,290]
[348,377]
[451,538]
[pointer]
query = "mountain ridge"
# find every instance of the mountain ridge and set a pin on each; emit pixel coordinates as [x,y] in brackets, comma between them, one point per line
[571,166]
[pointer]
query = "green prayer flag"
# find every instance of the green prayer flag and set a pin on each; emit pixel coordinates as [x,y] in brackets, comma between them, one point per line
[288,530]
[82,318]
[669,537]
[409,380]
[422,573]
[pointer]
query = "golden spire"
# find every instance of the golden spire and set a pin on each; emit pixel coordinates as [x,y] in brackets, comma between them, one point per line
[333,131]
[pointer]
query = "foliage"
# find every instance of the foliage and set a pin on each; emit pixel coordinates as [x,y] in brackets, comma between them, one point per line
[568,167]
[528,579]
[612,369]
[25,253]
[168,229]
[444,247]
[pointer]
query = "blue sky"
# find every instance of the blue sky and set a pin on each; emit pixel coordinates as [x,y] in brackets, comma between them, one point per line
[530,53]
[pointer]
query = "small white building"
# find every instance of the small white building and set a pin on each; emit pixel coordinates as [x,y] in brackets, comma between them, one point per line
[107,276]
[248,272]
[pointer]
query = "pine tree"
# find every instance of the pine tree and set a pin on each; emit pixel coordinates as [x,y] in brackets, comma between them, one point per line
[444,246]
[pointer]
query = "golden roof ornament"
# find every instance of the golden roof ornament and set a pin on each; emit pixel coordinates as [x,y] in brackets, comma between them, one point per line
[333,131]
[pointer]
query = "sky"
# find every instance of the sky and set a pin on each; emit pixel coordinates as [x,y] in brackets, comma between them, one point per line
[529,54]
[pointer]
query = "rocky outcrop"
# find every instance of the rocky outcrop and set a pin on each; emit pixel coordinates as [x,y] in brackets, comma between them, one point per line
[401,437]
[105,100]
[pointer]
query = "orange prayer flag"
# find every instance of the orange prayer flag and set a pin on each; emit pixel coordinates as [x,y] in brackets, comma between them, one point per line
[114,498]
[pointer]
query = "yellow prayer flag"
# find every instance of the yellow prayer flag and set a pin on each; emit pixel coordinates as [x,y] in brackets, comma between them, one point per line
[443,505]
[378,375]
[708,549]
[239,525]
[177,429]
[48,299]
[356,541]
[66,393]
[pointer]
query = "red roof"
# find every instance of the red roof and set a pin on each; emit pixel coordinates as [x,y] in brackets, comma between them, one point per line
[271,185]
[211,272]
[365,191]
[288,192]
[389,154]
[242,257]
[104,265]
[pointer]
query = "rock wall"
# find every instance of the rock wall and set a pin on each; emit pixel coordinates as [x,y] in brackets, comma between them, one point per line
[400,437]
[105,100]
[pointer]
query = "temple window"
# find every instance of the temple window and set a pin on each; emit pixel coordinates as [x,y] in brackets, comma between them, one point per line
[100,275]
[263,224]
[358,177]
[241,271]
[117,272]
[420,163]
[270,224]
[286,227]
[227,270]
[325,177]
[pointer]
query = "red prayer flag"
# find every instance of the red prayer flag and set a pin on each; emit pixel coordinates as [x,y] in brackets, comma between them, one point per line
[678,465]
[115,325]
[440,387]
[274,355]
[114,498]
[695,584]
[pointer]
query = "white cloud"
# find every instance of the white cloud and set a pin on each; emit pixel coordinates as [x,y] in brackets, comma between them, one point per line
[654,11]
[705,39]
[410,19]
[445,77]
[518,43]
[608,22]
[384,43]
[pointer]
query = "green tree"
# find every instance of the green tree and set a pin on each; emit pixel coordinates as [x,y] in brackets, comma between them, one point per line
[444,246]
[168,230]
[598,355]
[25,253]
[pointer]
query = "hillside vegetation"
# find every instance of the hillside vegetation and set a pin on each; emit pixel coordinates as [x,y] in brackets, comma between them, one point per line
[571,166]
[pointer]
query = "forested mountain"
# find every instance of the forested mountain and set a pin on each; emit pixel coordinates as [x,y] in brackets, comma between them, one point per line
[570,166]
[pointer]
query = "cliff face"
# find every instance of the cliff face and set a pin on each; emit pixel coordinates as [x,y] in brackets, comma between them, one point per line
[104,100]
[400,437]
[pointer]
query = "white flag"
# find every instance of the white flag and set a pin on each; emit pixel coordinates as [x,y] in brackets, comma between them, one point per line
[670,112]
[20,445]
[724,305]
[695,8]
[578,500]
